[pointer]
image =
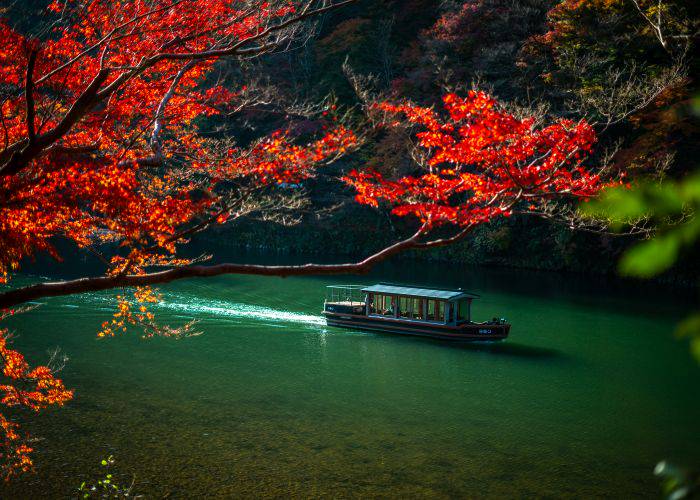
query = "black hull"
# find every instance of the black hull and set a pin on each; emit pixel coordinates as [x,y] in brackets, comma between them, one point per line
[468,332]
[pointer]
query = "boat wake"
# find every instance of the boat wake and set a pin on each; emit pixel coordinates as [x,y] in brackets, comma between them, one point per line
[197,309]
[201,308]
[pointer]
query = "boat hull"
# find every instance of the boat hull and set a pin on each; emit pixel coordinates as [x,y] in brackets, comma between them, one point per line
[467,332]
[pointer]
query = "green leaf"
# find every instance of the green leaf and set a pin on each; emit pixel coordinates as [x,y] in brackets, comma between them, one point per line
[618,204]
[690,188]
[695,104]
[690,327]
[104,462]
[647,199]
[651,257]
[695,348]
[665,199]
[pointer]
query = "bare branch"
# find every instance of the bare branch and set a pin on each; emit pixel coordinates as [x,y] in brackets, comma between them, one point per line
[29,95]
[155,142]
[25,294]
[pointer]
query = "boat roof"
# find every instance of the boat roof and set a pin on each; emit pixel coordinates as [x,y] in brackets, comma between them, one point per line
[432,293]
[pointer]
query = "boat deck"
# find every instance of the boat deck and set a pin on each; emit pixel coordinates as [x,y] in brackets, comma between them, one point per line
[348,303]
[488,331]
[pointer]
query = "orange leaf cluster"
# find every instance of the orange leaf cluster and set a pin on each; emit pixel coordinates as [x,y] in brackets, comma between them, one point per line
[481,161]
[278,160]
[125,314]
[99,177]
[28,388]
[134,311]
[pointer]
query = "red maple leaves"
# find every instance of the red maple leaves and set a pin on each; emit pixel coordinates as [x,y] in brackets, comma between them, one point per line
[480,161]
[26,387]
[104,103]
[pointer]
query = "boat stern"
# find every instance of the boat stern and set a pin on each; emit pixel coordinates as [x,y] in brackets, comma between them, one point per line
[492,330]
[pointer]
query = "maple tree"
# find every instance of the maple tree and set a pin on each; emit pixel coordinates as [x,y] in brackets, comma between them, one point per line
[99,144]
[102,144]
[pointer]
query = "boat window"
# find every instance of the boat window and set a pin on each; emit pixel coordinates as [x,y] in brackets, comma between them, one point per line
[435,310]
[378,303]
[405,307]
[390,305]
[384,305]
[417,308]
[372,299]
[463,310]
[440,311]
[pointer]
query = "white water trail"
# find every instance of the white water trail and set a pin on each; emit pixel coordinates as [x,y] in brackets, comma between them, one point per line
[200,308]
[236,310]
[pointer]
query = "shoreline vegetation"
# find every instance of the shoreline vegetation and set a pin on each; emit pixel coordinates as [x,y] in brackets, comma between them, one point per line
[500,245]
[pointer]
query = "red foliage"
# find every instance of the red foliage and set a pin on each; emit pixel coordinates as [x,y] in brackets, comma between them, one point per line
[481,161]
[456,26]
[276,159]
[92,177]
[24,387]
[99,142]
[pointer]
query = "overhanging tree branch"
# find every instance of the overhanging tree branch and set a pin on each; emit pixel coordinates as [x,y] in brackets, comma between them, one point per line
[18,296]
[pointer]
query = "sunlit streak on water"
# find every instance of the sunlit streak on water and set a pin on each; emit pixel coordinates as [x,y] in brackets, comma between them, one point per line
[199,308]
[236,310]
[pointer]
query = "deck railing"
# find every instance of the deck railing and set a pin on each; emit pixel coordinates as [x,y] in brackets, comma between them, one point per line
[345,293]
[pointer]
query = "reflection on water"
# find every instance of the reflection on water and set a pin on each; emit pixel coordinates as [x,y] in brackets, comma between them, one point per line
[503,348]
[587,394]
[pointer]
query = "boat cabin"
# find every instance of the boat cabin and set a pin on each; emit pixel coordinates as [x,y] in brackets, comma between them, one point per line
[419,304]
[430,305]
[407,310]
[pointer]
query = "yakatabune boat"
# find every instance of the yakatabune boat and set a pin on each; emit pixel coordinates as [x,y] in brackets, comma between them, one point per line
[403,310]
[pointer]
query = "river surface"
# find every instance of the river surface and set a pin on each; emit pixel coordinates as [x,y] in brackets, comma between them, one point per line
[590,391]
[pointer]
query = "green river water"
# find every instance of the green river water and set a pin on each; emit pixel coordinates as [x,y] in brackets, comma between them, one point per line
[590,391]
